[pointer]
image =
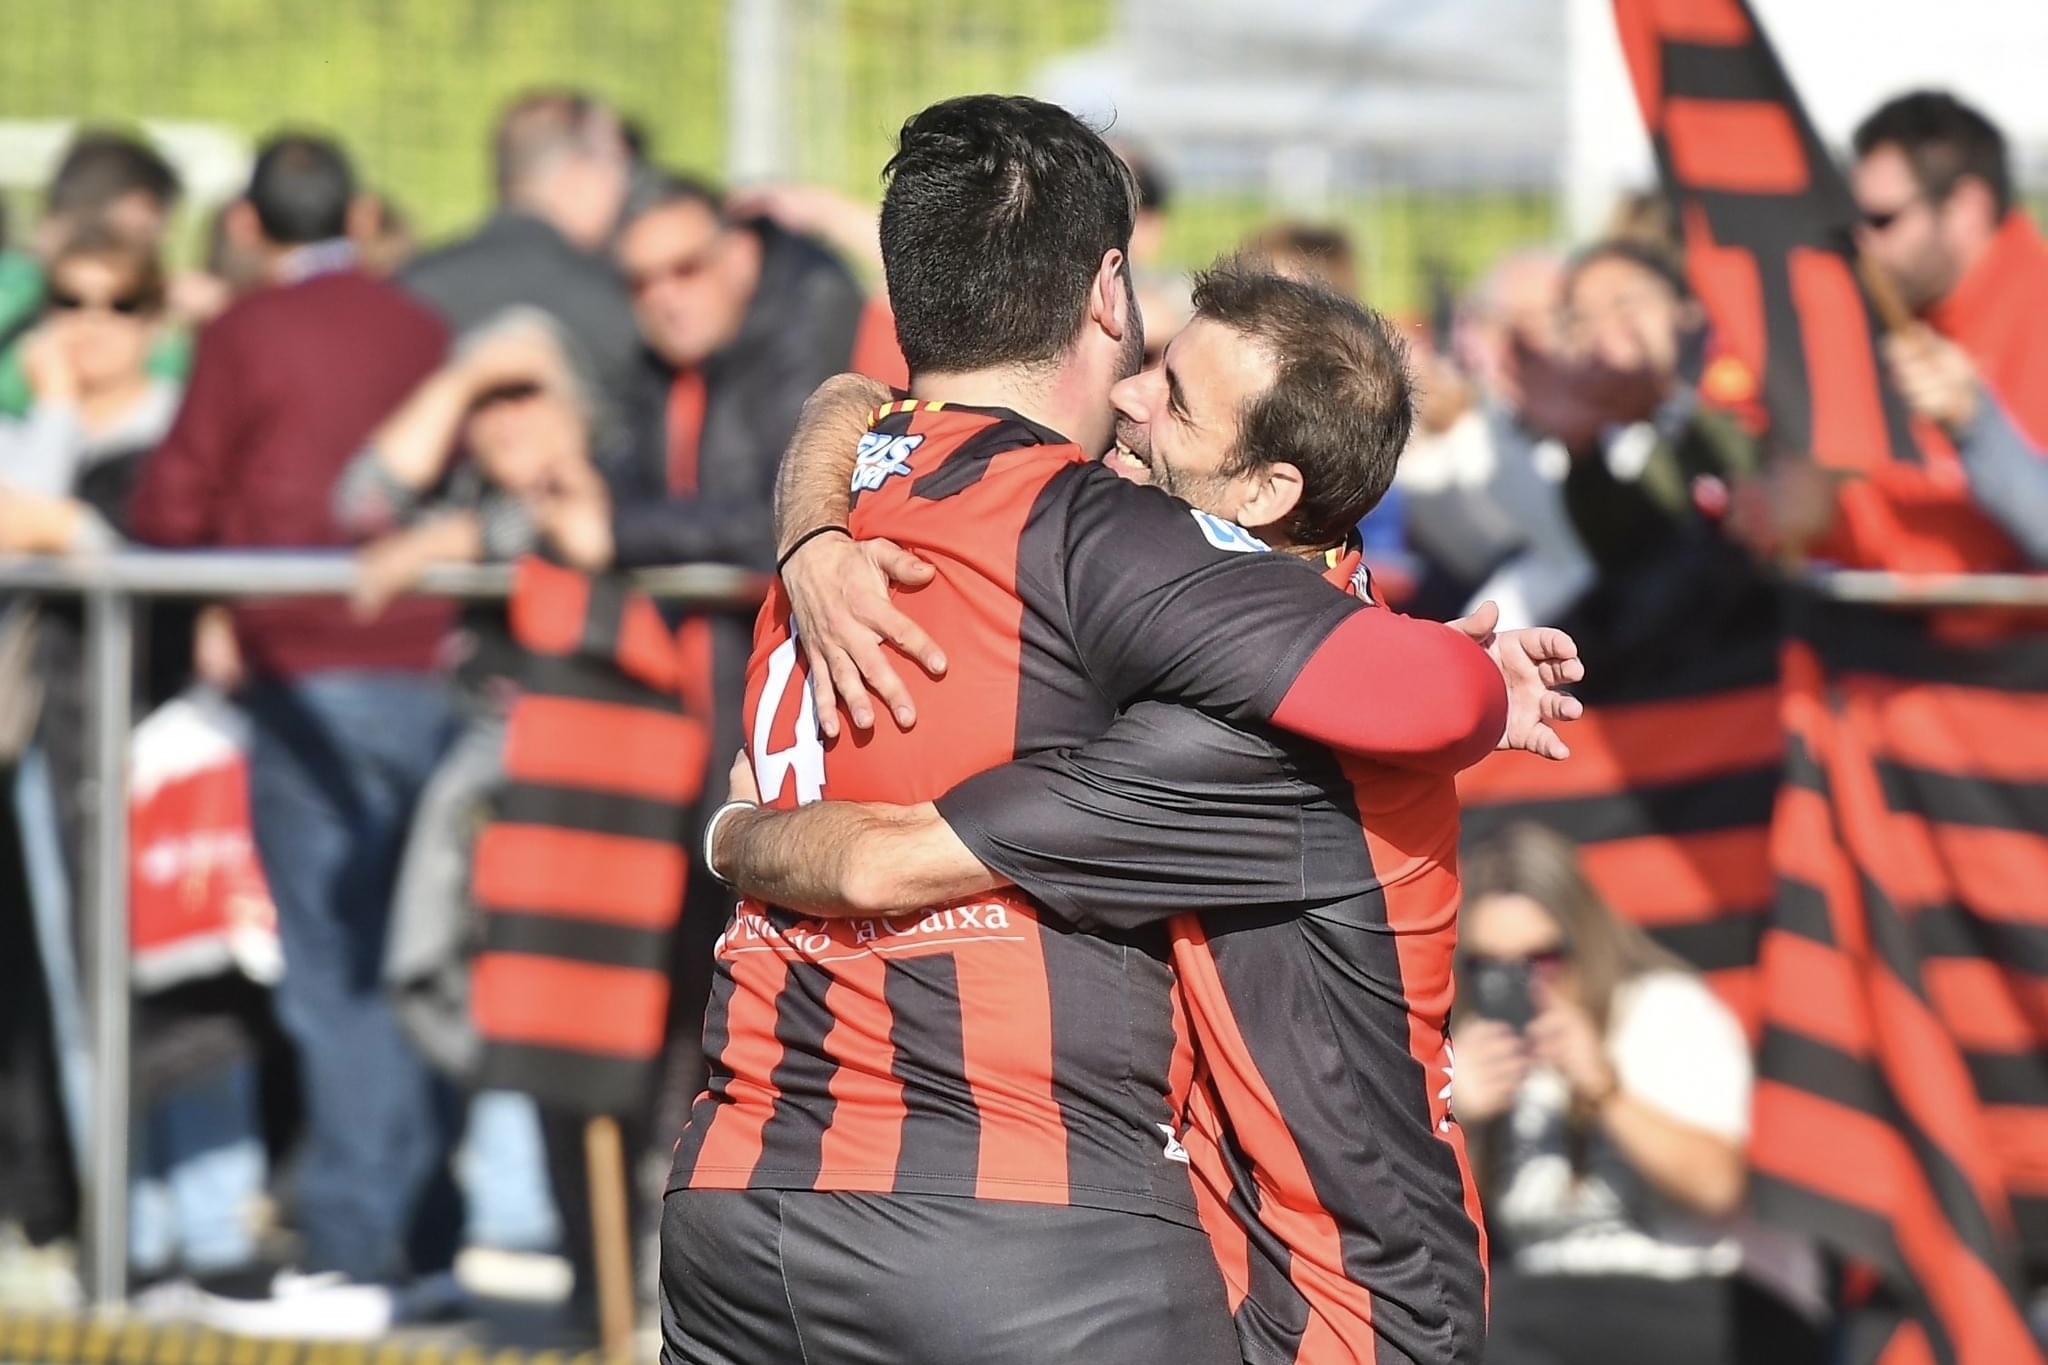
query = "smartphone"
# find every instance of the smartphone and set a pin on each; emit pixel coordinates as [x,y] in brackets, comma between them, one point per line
[1501,990]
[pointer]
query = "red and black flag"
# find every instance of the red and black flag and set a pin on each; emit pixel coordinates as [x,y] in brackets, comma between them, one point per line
[1902,1101]
[580,873]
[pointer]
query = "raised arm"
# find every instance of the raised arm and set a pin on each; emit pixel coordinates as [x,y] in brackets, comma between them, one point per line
[838,588]
[1169,604]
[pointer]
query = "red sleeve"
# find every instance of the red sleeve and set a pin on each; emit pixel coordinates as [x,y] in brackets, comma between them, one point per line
[1400,690]
[176,499]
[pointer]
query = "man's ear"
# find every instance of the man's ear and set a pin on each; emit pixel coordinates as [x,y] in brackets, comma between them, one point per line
[1109,302]
[242,225]
[1271,493]
[364,218]
[1972,200]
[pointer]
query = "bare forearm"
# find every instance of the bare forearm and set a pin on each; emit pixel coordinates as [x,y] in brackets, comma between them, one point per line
[814,486]
[842,858]
[414,443]
[1701,1170]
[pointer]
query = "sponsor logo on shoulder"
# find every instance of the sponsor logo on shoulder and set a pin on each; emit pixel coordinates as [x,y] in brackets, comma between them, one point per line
[880,458]
[1228,535]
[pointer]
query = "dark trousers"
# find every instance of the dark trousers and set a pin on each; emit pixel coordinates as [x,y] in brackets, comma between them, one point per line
[1634,1320]
[750,1277]
[336,764]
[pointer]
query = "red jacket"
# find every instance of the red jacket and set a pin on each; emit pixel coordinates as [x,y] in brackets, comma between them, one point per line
[286,386]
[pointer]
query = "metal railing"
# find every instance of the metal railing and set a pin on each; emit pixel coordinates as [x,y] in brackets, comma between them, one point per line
[110,586]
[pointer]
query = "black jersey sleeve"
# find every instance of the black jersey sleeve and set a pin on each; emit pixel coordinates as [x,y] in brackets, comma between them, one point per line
[1171,811]
[1166,602]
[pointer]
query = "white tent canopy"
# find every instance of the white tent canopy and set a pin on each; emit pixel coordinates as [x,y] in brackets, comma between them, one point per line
[1302,97]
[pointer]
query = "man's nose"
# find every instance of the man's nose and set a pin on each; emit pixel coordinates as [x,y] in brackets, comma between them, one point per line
[1130,396]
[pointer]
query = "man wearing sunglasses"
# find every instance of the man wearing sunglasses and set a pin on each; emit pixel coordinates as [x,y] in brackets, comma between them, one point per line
[1935,195]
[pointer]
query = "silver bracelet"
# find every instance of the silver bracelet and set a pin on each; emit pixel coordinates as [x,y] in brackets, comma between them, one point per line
[711,836]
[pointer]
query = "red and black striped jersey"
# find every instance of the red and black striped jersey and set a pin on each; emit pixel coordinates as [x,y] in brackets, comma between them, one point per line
[1317,980]
[987,1049]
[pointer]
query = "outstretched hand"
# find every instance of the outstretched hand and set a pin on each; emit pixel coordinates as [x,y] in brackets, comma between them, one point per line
[1537,663]
[839,595]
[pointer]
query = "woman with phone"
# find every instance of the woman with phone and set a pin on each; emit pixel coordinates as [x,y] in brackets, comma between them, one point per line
[1605,1091]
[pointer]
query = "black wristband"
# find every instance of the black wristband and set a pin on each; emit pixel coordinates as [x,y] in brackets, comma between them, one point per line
[805,539]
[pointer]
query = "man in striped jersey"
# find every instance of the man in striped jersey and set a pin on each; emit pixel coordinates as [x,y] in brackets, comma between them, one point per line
[1317,974]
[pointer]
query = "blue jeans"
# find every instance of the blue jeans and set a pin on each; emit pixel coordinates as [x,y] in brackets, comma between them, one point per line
[336,763]
[199,1171]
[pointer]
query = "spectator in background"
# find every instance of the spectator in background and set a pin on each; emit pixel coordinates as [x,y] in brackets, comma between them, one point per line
[1935,189]
[1606,1095]
[562,175]
[1651,472]
[451,478]
[66,466]
[65,473]
[107,178]
[1486,507]
[747,319]
[349,719]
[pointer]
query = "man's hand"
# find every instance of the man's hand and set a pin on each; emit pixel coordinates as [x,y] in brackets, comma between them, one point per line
[37,524]
[46,360]
[1565,1038]
[387,568]
[839,594]
[1935,377]
[1782,512]
[216,657]
[1536,662]
[573,511]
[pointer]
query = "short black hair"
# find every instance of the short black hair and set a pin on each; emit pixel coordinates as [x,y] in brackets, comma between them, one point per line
[655,189]
[1342,402]
[103,166]
[301,189]
[1944,140]
[998,211]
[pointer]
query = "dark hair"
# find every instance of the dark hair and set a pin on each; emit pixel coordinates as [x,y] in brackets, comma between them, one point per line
[658,189]
[546,124]
[998,211]
[1944,140]
[1341,403]
[301,189]
[102,166]
[1629,251]
[98,242]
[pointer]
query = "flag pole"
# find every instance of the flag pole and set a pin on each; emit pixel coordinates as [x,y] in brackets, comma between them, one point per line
[611,1236]
[1884,295]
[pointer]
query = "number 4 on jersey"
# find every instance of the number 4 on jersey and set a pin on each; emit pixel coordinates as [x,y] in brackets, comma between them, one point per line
[804,758]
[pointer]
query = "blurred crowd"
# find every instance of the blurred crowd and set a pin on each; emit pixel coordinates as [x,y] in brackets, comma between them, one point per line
[604,373]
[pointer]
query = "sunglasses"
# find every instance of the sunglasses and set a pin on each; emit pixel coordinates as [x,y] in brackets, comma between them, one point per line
[1879,220]
[127,305]
[682,268]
